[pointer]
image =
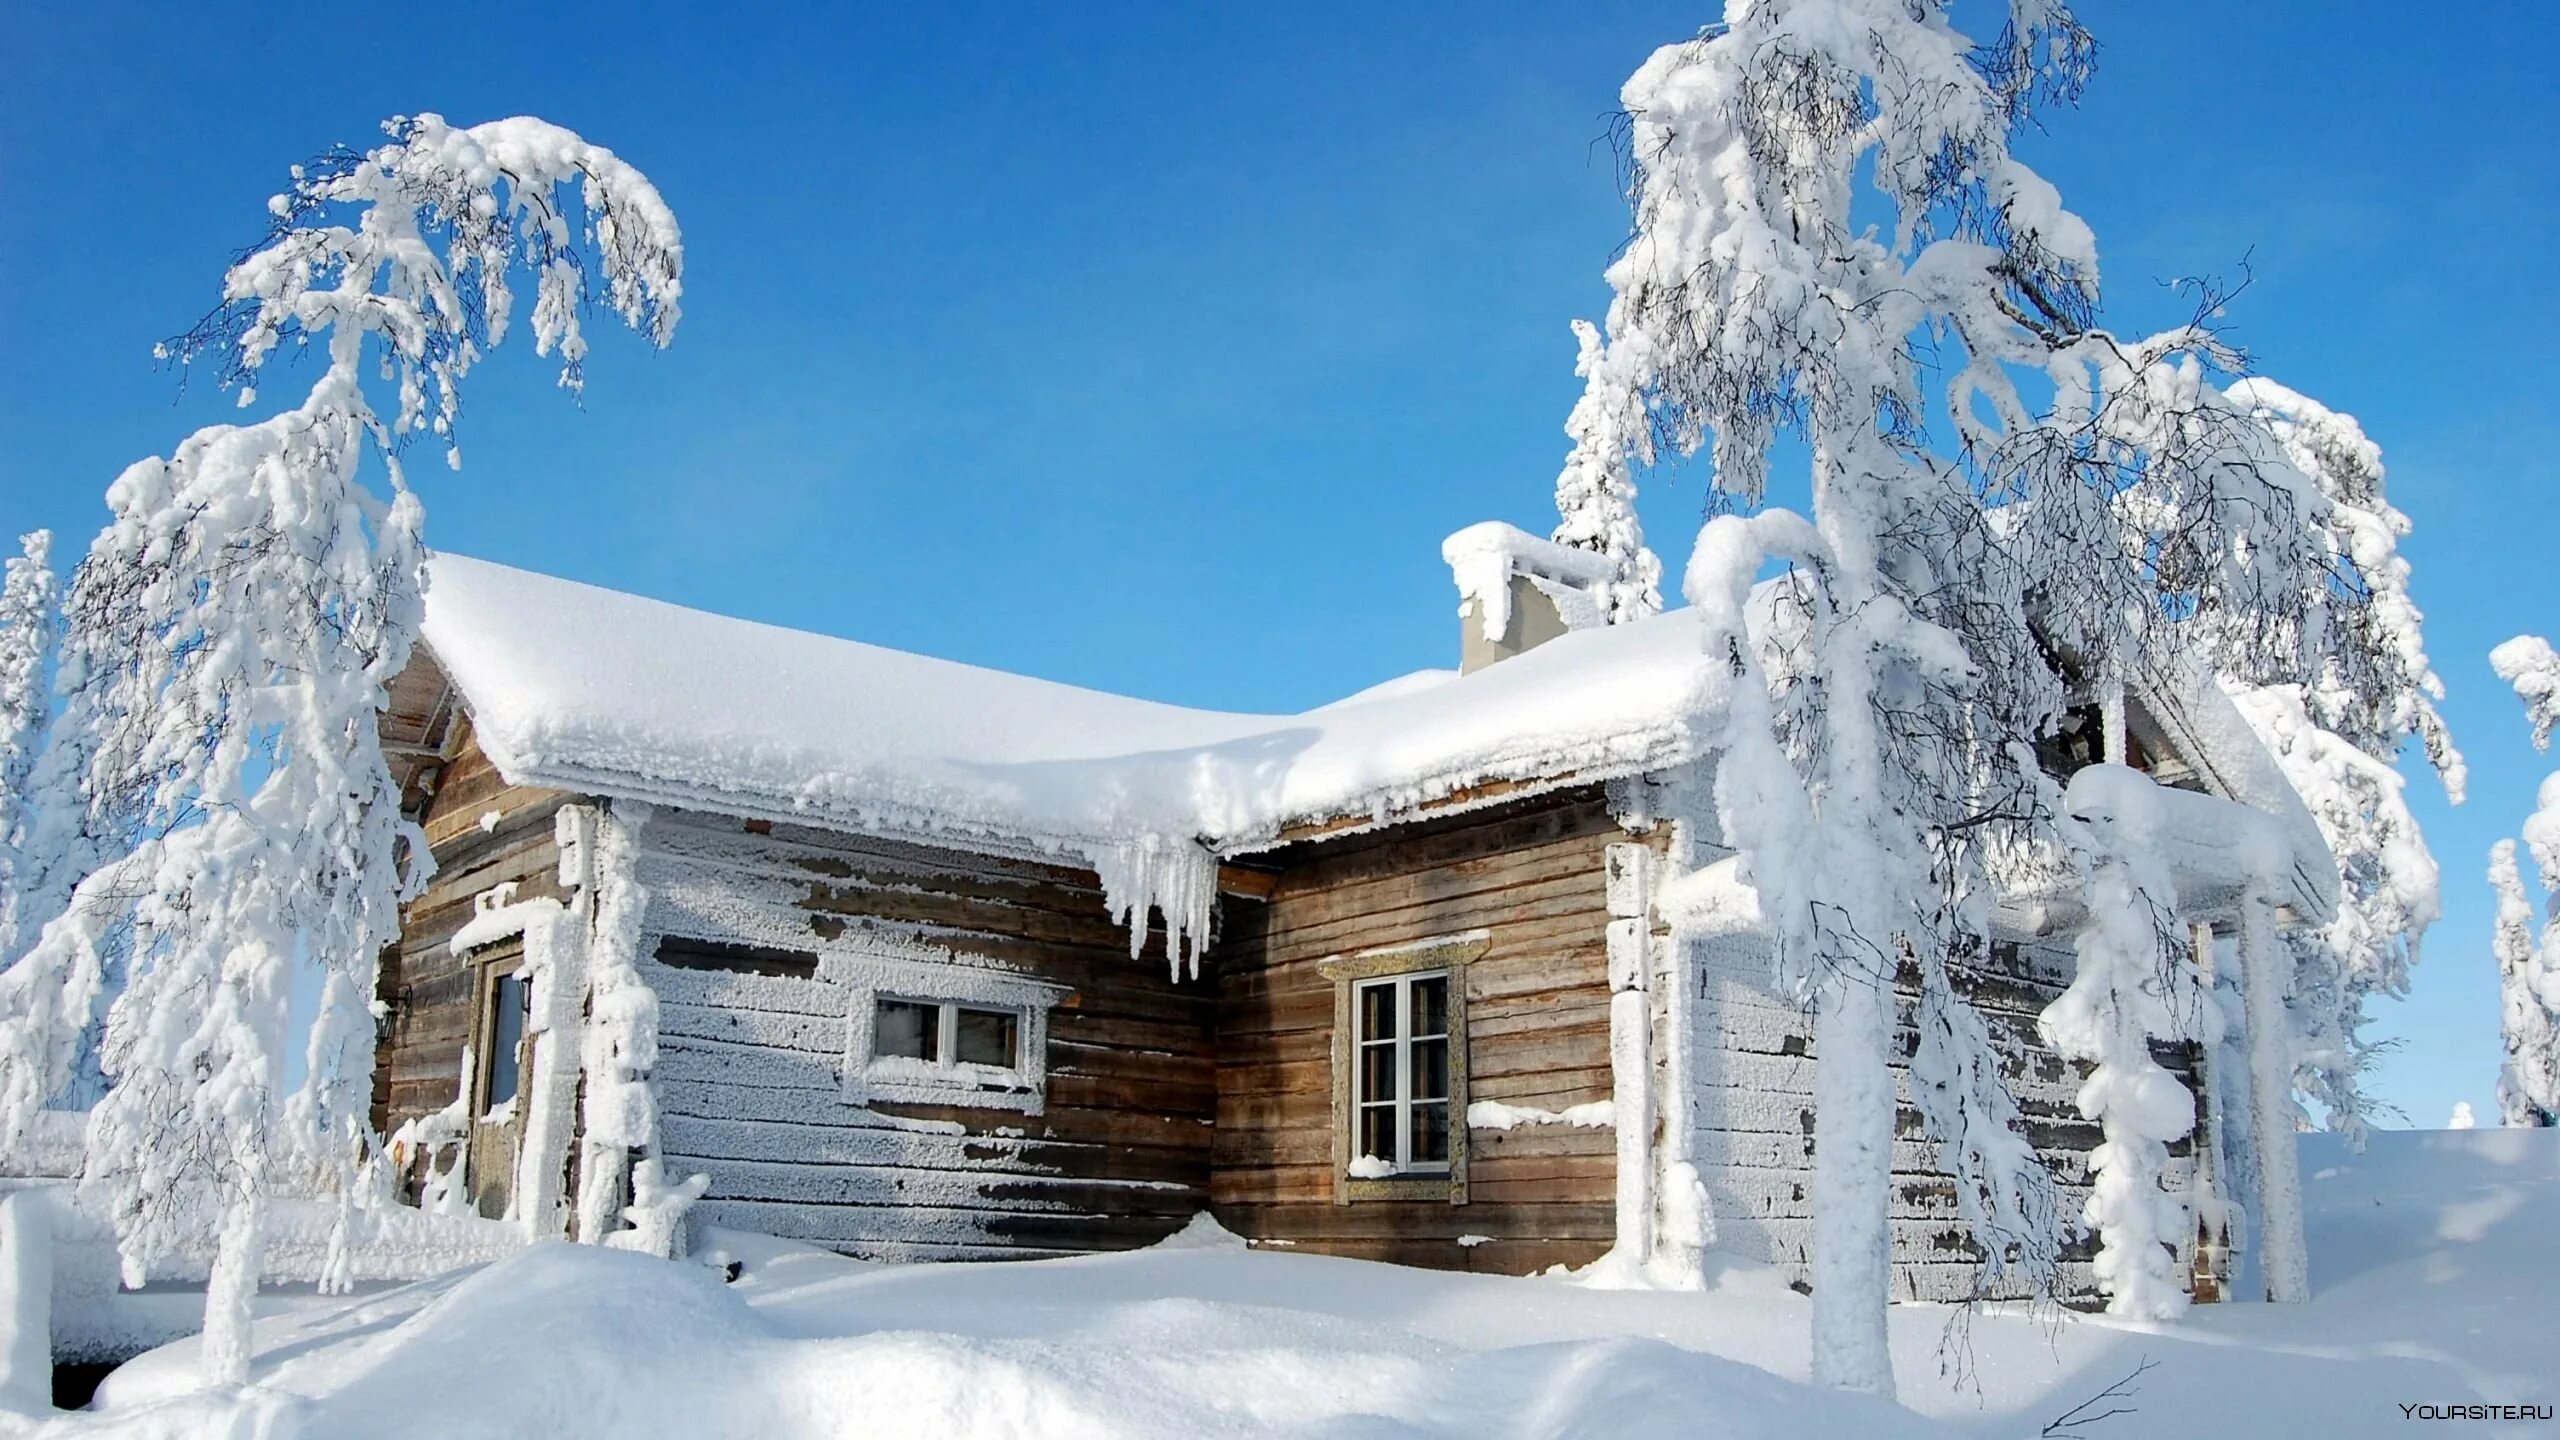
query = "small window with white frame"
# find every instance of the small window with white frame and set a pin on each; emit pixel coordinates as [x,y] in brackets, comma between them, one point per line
[933,1034]
[1400,1070]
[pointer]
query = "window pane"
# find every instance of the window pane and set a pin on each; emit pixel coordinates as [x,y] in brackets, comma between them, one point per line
[907,1030]
[1430,1134]
[1431,1069]
[987,1037]
[1377,1132]
[506,1034]
[1431,1005]
[1377,1072]
[1378,1011]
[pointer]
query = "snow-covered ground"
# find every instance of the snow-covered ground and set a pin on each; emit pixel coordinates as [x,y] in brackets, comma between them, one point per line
[2433,1270]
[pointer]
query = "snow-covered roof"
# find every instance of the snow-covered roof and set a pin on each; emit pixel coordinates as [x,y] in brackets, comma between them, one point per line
[582,688]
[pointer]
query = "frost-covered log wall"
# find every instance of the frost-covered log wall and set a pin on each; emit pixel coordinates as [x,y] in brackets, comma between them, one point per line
[1531,875]
[749,1076]
[1752,1063]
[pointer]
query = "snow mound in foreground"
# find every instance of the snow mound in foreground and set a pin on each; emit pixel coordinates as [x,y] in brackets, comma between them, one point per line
[2432,1278]
[567,1341]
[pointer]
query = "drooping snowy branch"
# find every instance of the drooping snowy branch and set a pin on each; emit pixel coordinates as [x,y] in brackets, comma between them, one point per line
[2388,890]
[2528,663]
[230,639]
[2337,735]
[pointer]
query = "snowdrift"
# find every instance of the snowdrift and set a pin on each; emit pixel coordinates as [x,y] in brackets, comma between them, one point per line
[2432,1268]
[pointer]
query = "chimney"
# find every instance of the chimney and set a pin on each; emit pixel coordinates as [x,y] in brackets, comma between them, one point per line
[1517,592]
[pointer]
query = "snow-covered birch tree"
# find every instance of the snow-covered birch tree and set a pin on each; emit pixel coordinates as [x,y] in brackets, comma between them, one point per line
[2338,736]
[229,641]
[2529,959]
[1948,601]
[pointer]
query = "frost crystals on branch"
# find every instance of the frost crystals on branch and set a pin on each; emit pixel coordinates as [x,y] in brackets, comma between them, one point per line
[230,639]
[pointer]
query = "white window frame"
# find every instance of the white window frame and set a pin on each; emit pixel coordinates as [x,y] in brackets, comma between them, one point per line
[1402,1041]
[869,1078]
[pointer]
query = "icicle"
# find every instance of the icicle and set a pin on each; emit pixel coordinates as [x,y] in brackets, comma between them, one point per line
[1176,878]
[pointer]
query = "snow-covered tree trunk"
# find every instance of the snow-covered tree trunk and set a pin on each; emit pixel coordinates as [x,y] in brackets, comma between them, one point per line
[230,638]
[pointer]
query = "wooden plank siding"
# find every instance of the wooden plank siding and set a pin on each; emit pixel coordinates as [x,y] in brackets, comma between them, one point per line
[1530,875]
[428,988]
[1751,1064]
[750,1066]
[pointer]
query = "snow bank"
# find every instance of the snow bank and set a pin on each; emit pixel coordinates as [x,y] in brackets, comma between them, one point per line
[584,688]
[2431,1284]
[576,1342]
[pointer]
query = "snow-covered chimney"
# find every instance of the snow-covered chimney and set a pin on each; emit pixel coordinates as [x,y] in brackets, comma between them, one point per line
[1517,592]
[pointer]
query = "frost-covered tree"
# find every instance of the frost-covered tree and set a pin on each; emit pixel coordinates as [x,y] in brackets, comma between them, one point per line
[28,625]
[2529,962]
[2338,736]
[229,640]
[1596,492]
[1948,600]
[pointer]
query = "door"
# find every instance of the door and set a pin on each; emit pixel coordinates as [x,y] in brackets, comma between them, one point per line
[505,1064]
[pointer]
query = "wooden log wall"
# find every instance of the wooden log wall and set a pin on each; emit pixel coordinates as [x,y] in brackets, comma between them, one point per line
[1530,875]
[1751,1063]
[749,1066]
[484,832]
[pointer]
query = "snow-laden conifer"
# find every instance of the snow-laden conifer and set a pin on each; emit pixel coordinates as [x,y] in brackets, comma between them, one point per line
[2529,956]
[1596,492]
[229,641]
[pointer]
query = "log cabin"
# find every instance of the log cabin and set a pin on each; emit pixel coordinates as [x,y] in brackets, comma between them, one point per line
[915,960]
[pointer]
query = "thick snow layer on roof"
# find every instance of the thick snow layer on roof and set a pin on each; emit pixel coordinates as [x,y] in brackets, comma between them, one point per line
[580,687]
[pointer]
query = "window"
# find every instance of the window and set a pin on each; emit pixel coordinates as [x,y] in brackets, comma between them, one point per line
[946,1034]
[1400,1070]
[941,1033]
[503,1064]
[1401,1079]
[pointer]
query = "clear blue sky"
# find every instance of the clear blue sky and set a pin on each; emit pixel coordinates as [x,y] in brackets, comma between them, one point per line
[1156,350]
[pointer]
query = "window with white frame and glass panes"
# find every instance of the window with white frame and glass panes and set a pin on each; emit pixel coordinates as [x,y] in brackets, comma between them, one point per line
[1400,1068]
[946,1033]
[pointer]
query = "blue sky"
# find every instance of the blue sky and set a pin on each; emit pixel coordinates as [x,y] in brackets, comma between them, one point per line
[1155,349]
